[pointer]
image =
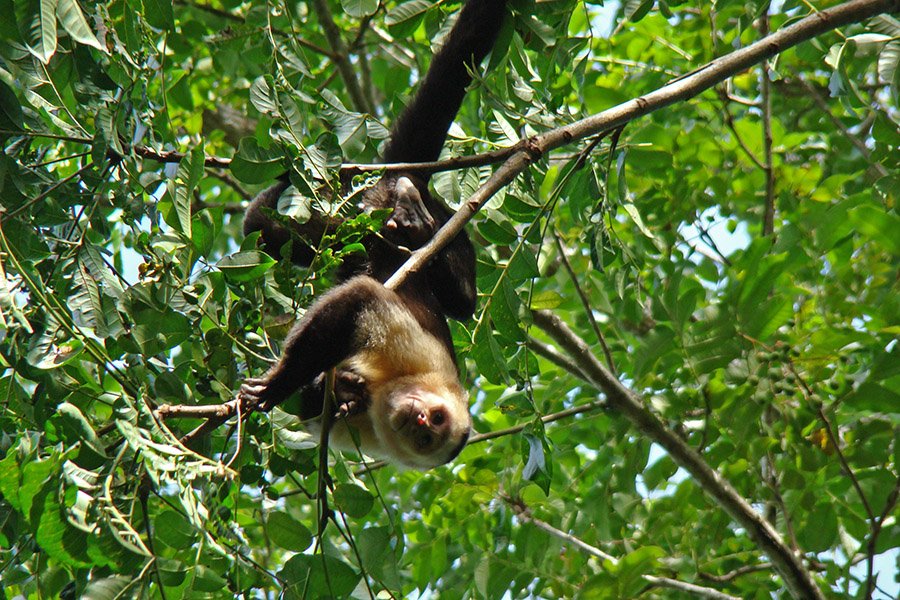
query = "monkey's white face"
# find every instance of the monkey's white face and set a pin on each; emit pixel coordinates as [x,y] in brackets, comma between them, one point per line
[420,428]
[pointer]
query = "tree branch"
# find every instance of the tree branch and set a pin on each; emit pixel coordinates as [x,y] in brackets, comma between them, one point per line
[340,57]
[795,576]
[720,69]
[768,226]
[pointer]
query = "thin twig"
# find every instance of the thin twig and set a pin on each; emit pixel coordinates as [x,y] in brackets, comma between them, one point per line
[889,505]
[816,96]
[739,572]
[729,122]
[768,227]
[588,311]
[324,478]
[833,440]
[557,358]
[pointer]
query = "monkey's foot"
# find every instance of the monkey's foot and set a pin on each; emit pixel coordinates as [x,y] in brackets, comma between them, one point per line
[350,394]
[254,394]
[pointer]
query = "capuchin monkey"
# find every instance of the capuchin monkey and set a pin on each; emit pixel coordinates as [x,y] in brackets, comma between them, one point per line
[397,381]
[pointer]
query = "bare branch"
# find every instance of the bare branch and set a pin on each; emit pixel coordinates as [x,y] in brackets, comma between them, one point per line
[170,156]
[678,90]
[449,164]
[341,56]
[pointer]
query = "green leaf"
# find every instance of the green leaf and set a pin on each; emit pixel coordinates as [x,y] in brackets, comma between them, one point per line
[407,11]
[546,300]
[10,110]
[307,576]
[262,95]
[350,127]
[181,190]
[108,588]
[819,529]
[60,540]
[487,354]
[874,398]
[11,477]
[287,532]
[78,426]
[75,24]
[353,500]
[768,317]
[246,265]
[523,265]
[255,164]
[504,312]
[159,14]
[360,8]
[206,580]
[375,551]
[631,568]
[537,468]
[41,34]
[878,225]
[497,228]
[635,10]
[173,530]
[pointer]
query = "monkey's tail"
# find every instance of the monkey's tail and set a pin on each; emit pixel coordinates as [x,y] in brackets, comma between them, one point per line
[419,133]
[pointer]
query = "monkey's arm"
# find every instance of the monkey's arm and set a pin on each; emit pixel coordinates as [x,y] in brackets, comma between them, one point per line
[325,336]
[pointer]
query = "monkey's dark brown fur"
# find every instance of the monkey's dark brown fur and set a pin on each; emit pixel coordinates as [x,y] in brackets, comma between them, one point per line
[398,381]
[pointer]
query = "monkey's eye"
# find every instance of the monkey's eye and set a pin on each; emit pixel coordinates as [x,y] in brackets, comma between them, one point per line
[438,417]
[424,440]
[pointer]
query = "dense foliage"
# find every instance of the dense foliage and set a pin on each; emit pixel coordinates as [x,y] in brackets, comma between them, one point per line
[737,254]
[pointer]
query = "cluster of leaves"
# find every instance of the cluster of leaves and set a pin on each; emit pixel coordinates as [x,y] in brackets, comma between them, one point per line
[125,285]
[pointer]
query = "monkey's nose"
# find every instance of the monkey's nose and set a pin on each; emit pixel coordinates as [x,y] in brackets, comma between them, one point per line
[421,420]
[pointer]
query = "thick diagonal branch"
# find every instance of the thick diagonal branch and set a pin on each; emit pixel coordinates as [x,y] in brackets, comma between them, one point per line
[687,87]
[795,575]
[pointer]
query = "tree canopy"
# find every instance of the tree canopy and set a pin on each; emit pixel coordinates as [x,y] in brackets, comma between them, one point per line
[684,368]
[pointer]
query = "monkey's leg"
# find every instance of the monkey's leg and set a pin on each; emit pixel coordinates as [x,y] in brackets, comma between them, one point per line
[325,336]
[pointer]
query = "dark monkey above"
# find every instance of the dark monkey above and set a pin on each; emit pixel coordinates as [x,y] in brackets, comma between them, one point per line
[397,380]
